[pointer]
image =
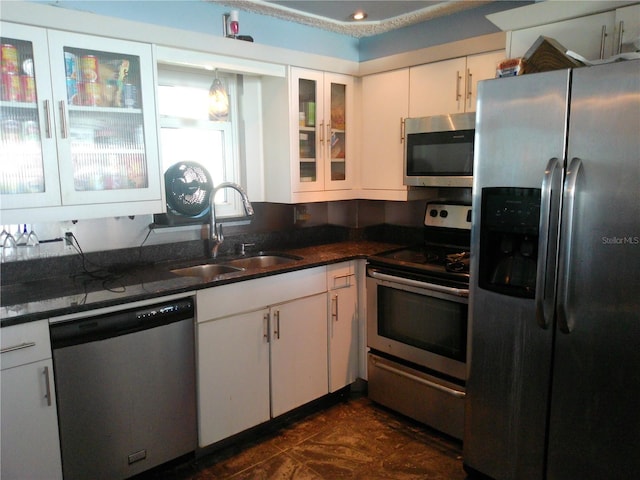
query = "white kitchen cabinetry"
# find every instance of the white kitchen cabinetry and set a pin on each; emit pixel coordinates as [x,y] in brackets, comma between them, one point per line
[29,422]
[298,353]
[78,127]
[450,86]
[308,136]
[627,29]
[591,36]
[343,325]
[233,374]
[385,105]
[261,350]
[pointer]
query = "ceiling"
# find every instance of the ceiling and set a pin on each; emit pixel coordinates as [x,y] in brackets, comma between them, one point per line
[334,15]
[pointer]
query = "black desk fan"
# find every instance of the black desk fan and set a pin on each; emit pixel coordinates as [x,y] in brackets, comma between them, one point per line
[188,187]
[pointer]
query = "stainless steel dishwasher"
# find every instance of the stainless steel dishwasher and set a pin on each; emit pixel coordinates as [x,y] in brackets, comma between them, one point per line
[125,386]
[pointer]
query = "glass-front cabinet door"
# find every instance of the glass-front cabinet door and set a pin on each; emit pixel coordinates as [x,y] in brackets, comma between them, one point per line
[309,176]
[105,117]
[338,95]
[78,125]
[323,104]
[29,171]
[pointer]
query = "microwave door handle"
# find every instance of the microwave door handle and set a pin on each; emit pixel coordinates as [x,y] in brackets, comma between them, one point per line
[564,273]
[544,274]
[459,292]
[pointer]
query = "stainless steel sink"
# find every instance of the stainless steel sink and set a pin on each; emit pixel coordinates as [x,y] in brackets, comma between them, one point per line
[262,260]
[207,271]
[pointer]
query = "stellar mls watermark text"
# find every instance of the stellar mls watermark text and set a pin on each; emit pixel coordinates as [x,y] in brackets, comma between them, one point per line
[621,240]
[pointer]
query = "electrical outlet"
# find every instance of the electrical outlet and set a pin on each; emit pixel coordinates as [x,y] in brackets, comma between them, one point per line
[67,232]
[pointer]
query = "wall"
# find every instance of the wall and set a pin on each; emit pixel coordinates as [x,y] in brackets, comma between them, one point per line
[459,26]
[206,17]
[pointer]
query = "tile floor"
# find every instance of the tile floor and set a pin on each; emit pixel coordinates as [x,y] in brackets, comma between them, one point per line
[349,438]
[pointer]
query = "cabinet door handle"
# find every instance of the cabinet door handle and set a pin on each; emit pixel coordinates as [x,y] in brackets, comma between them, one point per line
[328,135]
[334,309]
[458,79]
[469,84]
[276,332]
[13,348]
[47,118]
[265,318]
[63,119]
[321,132]
[47,383]
[603,36]
[620,35]
[402,126]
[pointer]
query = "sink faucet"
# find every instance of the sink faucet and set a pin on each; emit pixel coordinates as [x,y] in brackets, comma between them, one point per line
[215,229]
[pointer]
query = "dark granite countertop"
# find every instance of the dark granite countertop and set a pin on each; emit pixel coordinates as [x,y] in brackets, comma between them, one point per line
[56,296]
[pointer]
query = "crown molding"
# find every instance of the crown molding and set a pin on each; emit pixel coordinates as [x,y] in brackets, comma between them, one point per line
[354,29]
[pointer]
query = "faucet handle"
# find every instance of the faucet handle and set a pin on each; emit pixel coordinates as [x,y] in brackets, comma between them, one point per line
[242,247]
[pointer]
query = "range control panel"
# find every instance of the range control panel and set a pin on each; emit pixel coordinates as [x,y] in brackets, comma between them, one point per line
[448,216]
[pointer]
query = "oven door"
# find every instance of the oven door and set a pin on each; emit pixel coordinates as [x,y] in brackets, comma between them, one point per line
[418,322]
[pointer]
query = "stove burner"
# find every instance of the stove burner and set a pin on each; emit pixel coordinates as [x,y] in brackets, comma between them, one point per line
[433,258]
[458,262]
[444,253]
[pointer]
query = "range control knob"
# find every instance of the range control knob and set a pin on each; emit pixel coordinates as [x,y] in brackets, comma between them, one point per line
[433,212]
[444,213]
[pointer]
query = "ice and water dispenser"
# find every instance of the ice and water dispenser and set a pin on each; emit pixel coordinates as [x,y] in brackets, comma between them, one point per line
[509,240]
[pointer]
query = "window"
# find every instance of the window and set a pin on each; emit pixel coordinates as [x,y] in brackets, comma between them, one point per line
[187,134]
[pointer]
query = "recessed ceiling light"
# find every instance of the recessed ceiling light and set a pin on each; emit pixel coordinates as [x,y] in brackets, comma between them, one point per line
[359,15]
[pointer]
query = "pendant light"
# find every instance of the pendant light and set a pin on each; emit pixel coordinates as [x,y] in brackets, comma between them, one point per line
[218,101]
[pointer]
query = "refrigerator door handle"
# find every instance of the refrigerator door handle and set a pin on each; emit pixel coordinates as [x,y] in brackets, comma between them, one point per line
[568,204]
[544,276]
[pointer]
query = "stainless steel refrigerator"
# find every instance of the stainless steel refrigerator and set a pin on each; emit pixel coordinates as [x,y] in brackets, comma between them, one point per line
[554,361]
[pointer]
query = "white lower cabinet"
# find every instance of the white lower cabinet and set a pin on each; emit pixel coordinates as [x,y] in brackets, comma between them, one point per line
[298,353]
[29,421]
[343,325]
[261,350]
[233,375]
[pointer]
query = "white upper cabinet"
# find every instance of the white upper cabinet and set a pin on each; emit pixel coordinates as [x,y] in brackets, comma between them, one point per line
[78,128]
[591,36]
[627,28]
[309,136]
[385,105]
[450,86]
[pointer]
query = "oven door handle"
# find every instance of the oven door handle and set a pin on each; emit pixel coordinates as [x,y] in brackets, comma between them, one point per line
[449,391]
[460,292]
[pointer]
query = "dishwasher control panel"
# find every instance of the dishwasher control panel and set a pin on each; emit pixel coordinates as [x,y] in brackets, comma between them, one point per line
[177,307]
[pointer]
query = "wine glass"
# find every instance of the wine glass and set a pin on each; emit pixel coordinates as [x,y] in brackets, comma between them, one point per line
[3,235]
[33,244]
[9,248]
[21,239]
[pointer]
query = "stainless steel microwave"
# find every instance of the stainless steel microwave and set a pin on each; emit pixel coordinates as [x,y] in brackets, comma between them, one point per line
[439,150]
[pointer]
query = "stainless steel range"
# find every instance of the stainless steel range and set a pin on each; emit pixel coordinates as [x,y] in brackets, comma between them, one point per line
[417,301]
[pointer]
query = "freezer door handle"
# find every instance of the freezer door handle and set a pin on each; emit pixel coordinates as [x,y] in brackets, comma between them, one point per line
[544,274]
[568,205]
